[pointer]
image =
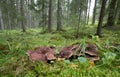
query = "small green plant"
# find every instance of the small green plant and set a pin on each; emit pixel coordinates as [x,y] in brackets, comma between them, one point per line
[82,59]
[95,38]
[67,61]
[108,58]
[107,43]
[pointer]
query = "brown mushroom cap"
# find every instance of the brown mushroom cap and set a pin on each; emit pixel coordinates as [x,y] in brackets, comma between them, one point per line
[91,50]
[67,52]
[91,47]
[50,56]
[42,53]
[35,56]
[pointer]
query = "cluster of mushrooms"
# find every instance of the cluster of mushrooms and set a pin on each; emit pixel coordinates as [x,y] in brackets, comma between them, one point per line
[48,53]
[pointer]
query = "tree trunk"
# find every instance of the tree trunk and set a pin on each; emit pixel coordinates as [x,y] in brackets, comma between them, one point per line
[111,15]
[79,23]
[19,12]
[32,17]
[43,14]
[22,16]
[50,16]
[59,15]
[88,11]
[28,15]
[68,11]
[12,14]
[117,16]
[1,20]
[101,18]
[118,21]
[9,21]
[94,13]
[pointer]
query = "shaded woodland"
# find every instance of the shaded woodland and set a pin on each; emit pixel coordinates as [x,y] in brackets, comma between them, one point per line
[59,38]
[53,14]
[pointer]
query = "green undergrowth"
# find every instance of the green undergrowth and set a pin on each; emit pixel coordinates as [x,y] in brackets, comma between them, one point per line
[15,63]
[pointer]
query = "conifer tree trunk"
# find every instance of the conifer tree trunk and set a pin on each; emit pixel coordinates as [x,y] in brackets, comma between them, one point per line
[101,18]
[59,15]
[22,16]
[94,12]
[118,21]
[111,15]
[68,10]
[88,11]
[50,16]
[43,14]
[1,20]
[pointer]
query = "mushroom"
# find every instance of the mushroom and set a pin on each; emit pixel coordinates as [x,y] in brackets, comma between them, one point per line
[91,52]
[43,53]
[68,52]
[36,56]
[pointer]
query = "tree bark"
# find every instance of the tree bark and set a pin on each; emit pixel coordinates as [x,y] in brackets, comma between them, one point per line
[94,13]
[19,12]
[101,18]
[88,12]
[50,16]
[79,23]
[118,21]
[1,20]
[117,16]
[22,16]
[111,15]
[28,16]
[43,14]
[68,11]
[9,21]
[59,15]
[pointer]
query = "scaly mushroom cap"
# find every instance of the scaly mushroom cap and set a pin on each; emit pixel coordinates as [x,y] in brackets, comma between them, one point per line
[43,53]
[67,52]
[45,49]
[92,52]
[50,56]
[36,56]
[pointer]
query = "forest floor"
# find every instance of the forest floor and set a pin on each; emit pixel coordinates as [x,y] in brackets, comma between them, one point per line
[14,61]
